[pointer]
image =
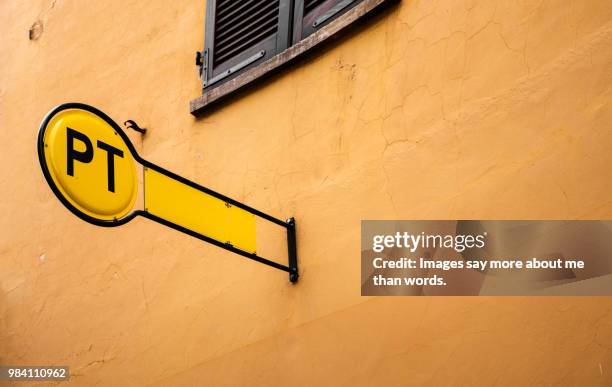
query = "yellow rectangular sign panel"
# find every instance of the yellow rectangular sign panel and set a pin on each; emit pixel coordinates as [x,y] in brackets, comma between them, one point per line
[198,211]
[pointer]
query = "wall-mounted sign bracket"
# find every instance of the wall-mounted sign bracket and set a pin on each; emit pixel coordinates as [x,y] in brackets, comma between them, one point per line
[94,170]
[289,225]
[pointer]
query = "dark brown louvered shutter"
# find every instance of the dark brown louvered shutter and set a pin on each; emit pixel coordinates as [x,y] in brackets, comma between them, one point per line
[310,15]
[242,33]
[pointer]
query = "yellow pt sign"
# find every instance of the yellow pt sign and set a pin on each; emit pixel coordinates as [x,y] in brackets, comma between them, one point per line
[90,164]
[94,170]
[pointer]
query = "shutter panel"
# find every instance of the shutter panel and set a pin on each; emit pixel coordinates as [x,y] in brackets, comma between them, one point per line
[310,15]
[240,34]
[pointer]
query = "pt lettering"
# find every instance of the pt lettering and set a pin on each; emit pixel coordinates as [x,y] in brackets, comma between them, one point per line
[84,157]
[87,155]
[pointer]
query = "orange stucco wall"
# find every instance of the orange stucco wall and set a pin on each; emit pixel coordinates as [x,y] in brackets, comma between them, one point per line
[432,110]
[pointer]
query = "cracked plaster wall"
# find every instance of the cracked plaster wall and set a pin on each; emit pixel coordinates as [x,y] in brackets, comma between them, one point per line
[432,110]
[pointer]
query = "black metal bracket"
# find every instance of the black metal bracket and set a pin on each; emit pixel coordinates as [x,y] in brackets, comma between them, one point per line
[201,61]
[289,225]
[292,268]
[199,58]
[130,124]
[292,251]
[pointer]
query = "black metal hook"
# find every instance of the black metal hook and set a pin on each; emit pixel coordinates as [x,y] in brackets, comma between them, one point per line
[134,125]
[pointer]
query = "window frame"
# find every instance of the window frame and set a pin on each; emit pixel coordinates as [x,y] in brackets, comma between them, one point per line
[260,69]
[324,12]
[214,75]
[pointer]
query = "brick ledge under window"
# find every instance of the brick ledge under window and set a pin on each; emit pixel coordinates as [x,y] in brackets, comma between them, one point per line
[209,97]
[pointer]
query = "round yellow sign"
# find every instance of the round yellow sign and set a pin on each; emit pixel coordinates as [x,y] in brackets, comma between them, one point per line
[89,163]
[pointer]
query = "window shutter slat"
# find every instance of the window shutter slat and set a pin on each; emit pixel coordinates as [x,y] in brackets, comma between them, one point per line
[246,41]
[258,17]
[233,14]
[237,30]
